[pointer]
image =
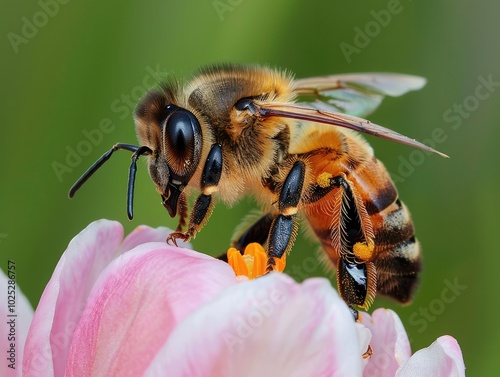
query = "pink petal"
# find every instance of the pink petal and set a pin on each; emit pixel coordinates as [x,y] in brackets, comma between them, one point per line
[137,302]
[265,327]
[443,358]
[65,296]
[17,319]
[389,343]
[143,234]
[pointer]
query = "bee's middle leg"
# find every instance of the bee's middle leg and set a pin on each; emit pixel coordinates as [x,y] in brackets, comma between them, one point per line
[284,228]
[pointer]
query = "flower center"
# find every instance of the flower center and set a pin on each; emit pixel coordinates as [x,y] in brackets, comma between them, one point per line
[253,262]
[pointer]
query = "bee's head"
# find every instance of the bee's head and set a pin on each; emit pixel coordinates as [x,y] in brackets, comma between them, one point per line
[174,134]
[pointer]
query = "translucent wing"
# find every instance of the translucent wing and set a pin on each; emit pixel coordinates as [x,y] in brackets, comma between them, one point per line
[355,94]
[336,119]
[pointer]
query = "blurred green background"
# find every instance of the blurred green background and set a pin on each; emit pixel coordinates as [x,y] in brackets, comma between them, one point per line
[83,63]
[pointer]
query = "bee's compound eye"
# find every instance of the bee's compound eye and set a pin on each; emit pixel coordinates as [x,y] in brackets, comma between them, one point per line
[179,133]
[244,104]
[183,140]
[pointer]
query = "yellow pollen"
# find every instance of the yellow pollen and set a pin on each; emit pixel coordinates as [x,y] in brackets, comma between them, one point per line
[323,180]
[253,262]
[364,251]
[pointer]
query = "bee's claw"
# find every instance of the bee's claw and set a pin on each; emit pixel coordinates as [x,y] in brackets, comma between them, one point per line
[172,238]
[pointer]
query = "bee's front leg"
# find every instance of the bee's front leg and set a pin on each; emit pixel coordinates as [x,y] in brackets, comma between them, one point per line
[204,204]
[285,225]
[183,212]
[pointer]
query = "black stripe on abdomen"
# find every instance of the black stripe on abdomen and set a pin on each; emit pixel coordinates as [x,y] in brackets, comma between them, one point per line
[394,227]
[383,198]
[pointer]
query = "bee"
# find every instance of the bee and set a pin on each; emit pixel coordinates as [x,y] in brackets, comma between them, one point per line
[294,145]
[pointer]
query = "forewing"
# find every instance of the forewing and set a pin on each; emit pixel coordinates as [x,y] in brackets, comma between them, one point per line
[340,120]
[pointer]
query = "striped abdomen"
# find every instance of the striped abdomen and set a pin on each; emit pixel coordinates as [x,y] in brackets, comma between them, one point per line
[396,253]
[359,220]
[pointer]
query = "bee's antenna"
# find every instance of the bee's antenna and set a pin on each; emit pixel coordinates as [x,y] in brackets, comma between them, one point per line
[138,151]
[144,150]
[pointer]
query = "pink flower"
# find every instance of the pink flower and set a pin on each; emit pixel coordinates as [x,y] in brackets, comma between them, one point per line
[131,308]
[392,354]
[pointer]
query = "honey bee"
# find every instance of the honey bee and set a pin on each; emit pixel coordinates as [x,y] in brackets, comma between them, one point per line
[292,144]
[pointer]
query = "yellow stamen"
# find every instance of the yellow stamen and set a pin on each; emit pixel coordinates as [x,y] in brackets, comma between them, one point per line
[253,262]
[364,251]
[236,261]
